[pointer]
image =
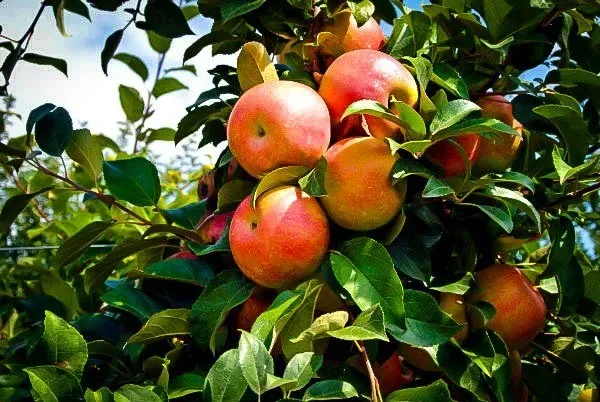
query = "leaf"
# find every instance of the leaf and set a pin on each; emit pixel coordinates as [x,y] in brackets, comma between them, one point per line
[35,115]
[59,64]
[256,362]
[233,192]
[166,19]
[562,235]
[565,171]
[411,257]
[499,215]
[451,113]
[236,8]
[226,291]
[158,43]
[221,245]
[161,134]
[437,188]
[405,167]
[577,78]
[486,127]
[451,80]
[368,325]
[54,286]
[164,324]
[194,272]
[134,180]
[509,177]
[187,216]
[187,234]
[426,324]
[409,35]
[211,38]
[301,369]
[186,384]
[409,120]
[460,369]
[126,297]
[313,183]
[437,391]
[134,63]
[366,271]
[131,102]
[59,16]
[517,200]
[276,178]
[76,245]
[284,305]
[322,325]
[53,131]
[362,10]
[571,127]
[330,389]
[134,393]
[423,70]
[110,47]
[254,65]
[53,384]
[14,206]
[167,85]
[101,395]
[85,151]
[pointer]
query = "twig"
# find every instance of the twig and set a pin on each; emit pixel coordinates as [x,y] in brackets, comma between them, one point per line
[139,129]
[34,202]
[573,195]
[375,391]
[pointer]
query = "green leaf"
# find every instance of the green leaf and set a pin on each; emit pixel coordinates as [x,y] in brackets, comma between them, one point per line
[459,287]
[562,235]
[256,362]
[460,369]
[59,16]
[284,305]
[134,180]
[423,70]
[53,384]
[451,113]
[437,188]
[484,126]
[362,10]
[254,66]
[221,246]
[571,127]
[437,391]
[313,183]
[322,325]
[517,200]
[426,324]
[411,257]
[236,8]
[85,151]
[110,47]
[225,381]
[577,78]
[53,131]
[509,177]
[414,147]
[226,291]
[187,216]
[186,384]
[126,297]
[158,43]
[276,178]
[164,324]
[565,171]
[451,80]
[405,167]
[499,215]
[194,272]
[59,64]
[78,7]
[166,19]
[409,35]
[14,206]
[134,63]
[185,68]
[211,38]
[76,245]
[134,393]
[301,369]
[53,285]
[167,85]
[190,12]
[63,345]
[161,134]
[330,389]
[37,114]
[131,102]
[233,192]
[368,325]
[101,395]
[366,271]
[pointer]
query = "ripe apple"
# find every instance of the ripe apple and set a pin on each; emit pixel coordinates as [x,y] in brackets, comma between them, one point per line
[454,305]
[365,74]
[211,228]
[184,255]
[393,374]
[354,37]
[520,308]
[360,195]
[257,303]
[278,123]
[417,358]
[445,154]
[283,240]
[498,153]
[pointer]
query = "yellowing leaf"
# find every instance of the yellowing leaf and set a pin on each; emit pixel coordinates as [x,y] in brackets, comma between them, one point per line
[254,66]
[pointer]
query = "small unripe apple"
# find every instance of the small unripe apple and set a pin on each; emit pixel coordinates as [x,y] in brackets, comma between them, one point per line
[283,240]
[360,194]
[454,305]
[257,303]
[447,157]
[365,74]
[394,375]
[211,228]
[276,124]
[520,308]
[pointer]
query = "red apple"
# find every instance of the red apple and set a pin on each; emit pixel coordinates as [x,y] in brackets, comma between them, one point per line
[394,375]
[354,37]
[445,154]
[259,301]
[184,255]
[211,228]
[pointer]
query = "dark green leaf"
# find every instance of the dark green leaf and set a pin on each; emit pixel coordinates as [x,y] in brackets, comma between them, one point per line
[167,85]
[131,102]
[59,64]
[208,39]
[282,307]
[187,216]
[452,113]
[110,47]
[52,384]
[451,79]
[135,393]
[159,43]
[53,131]
[185,384]
[134,180]
[132,300]
[329,389]
[14,206]
[565,171]
[161,134]
[499,215]
[166,19]
[235,8]
[562,235]
[134,63]
[164,324]
[437,188]
[411,257]
[77,244]
[484,126]
[405,167]
[437,391]
[409,35]
[195,272]
[37,114]
[517,200]
[84,150]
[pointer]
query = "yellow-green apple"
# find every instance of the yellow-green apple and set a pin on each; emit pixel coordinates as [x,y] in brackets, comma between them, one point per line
[365,74]
[447,157]
[276,124]
[360,194]
[354,37]
[520,308]
[283,240]
[454,305]
[393,374]
[498,153]
[589,395]
[211,228]
[257,303]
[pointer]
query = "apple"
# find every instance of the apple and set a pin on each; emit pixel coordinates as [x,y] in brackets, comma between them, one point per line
[360,194]
[184,255]
[206,186]
[211,228]
[498,153]
[257,303]
[354,37]
[454,305]
[365,74]
[417,358]
[283,240]
[446,156]
[520,308]
[276,124]
[393,374]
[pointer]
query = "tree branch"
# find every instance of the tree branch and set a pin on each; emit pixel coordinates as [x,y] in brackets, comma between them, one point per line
[573,195]
[375,391]
[139,129]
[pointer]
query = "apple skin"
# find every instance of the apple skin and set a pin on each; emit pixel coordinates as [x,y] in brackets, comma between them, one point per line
[520,308]
[276,124]
[283,240]
[445,155]
[367,36]
[418,358]
[211,228]
[184,255]
[589,395]
[257,303]
[497,154]
[365,74]
[454,305]
[360,195]
[393,375]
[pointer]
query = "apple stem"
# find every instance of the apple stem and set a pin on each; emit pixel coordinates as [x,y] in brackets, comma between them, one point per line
[375,391]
